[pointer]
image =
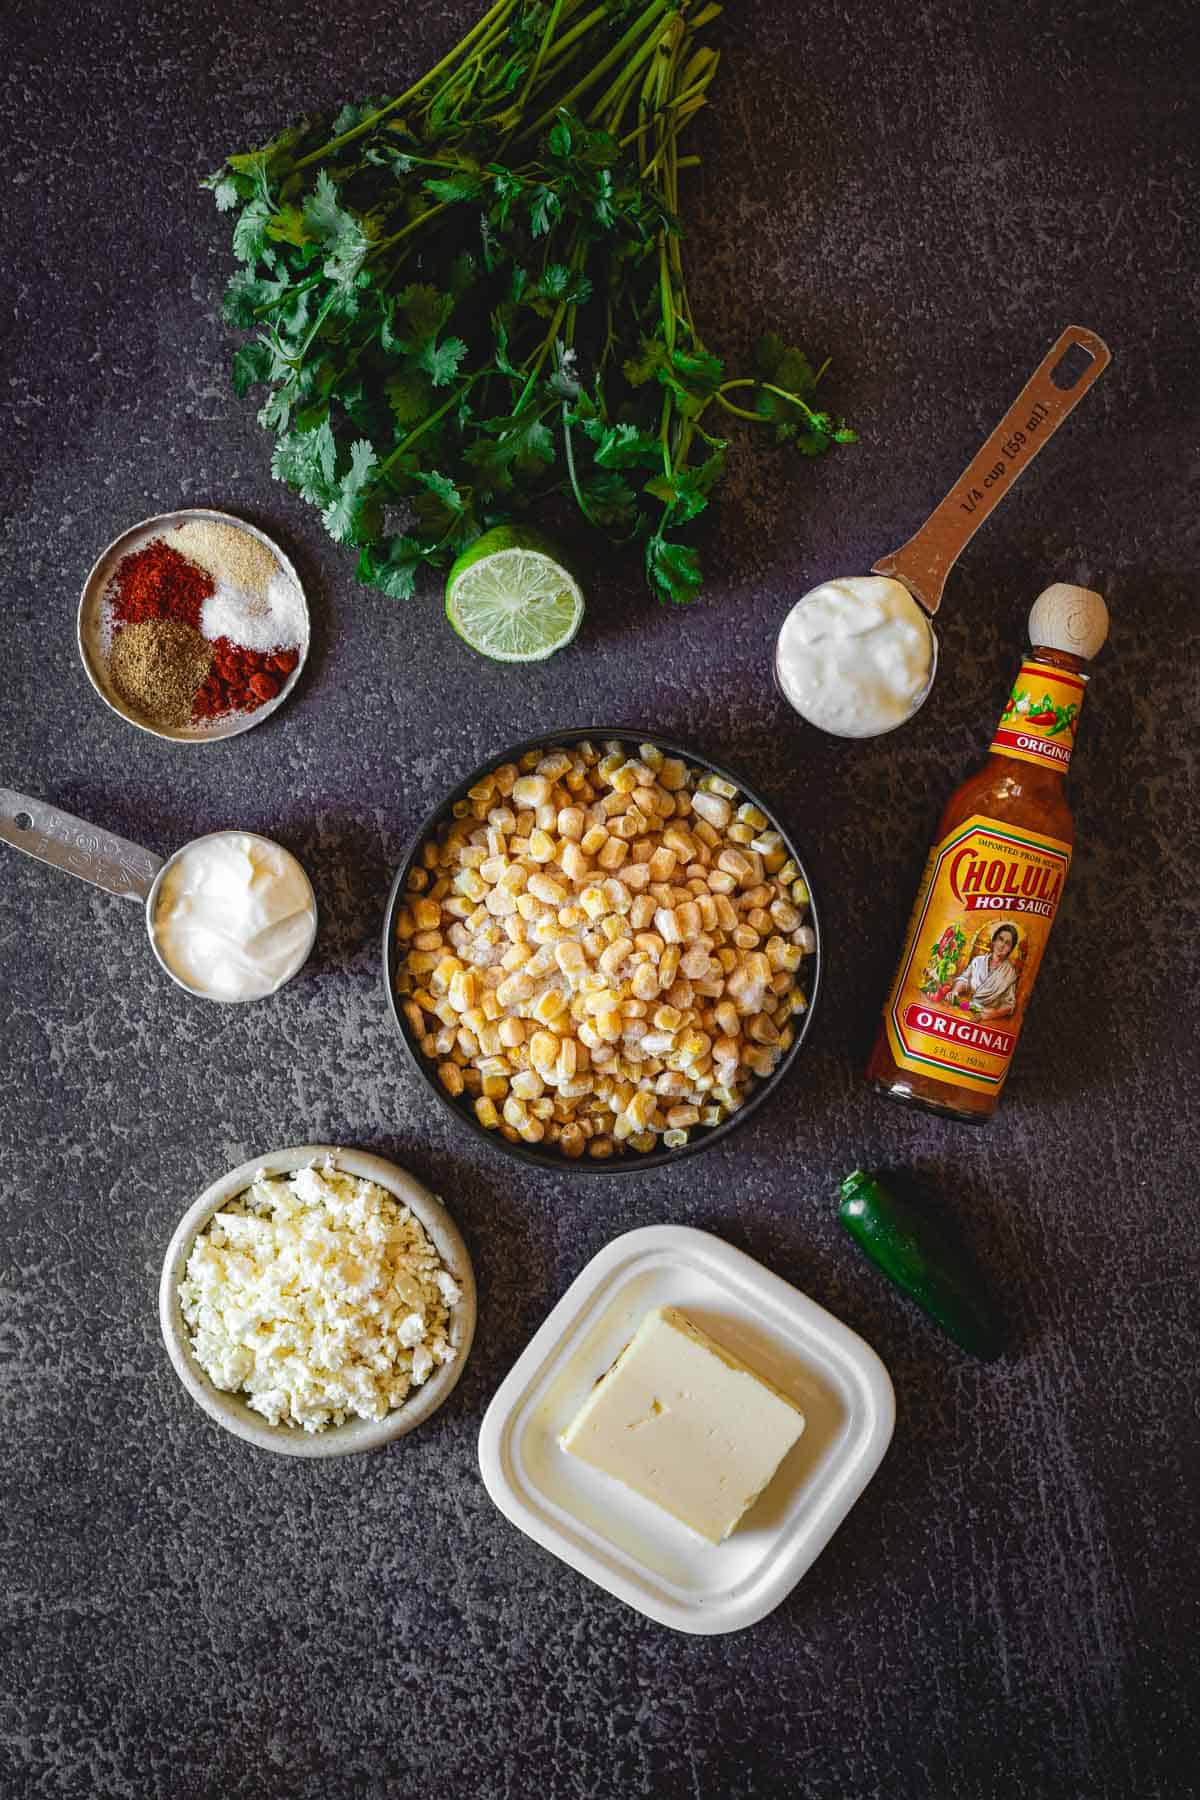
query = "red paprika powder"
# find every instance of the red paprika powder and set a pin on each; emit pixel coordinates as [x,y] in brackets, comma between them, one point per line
[156,582]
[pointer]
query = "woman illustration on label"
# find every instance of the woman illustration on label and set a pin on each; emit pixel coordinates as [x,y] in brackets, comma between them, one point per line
[989,979]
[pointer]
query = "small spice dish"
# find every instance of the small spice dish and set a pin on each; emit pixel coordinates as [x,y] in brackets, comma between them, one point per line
[94,634]
[229,1410]
[549,1157]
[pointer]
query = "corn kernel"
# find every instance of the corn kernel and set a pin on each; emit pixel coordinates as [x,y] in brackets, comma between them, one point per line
[464,990]
[640,1109]
[575,865]
[613,853]
[516,988]
[451,1078]
[612,958]
[530,790]
[549,1006]
[645,982]
[485,1112]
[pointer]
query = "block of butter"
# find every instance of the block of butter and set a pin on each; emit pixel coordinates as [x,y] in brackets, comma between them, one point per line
[686,1424]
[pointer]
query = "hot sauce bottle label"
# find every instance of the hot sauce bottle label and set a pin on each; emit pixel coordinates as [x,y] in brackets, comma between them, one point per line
[971,957]
[1039,722]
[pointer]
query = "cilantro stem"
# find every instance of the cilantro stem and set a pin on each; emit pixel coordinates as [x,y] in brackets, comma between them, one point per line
[432,418]
[407,230]
[646,19]
[767,387]
[499,12]
[535,65]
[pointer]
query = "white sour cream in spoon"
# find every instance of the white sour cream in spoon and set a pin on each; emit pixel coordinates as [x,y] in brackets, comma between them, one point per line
[856,657]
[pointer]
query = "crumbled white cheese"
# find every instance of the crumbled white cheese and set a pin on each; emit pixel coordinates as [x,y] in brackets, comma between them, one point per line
[319,1297]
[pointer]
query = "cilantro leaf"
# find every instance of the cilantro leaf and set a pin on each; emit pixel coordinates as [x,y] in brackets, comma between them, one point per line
[468,185]
[247,295]
[250,232]
[441,360]
[329,224]
[395,571]
[408,396]
[425,310]
[623,446]
[251,364]
[685,493]
[787,368]
[224,190]
[673,570]
[342,516]
[610,499]
[545,210]
[306,461]
[441,487]
[528,441]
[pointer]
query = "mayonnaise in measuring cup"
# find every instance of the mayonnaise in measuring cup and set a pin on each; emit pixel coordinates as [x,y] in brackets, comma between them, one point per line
[234,917]
[856,656]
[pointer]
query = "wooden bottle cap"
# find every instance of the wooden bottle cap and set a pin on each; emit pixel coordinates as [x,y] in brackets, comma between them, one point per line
[1069,618]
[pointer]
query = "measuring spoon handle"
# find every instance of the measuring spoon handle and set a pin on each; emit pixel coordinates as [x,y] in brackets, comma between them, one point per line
[54,837]
[1034,416]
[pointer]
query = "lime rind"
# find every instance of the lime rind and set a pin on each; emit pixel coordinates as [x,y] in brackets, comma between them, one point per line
[514,604]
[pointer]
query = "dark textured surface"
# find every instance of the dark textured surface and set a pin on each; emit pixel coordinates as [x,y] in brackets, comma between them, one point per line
[928,194]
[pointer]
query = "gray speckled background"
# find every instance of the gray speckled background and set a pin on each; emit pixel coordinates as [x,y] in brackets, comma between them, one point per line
[928,194]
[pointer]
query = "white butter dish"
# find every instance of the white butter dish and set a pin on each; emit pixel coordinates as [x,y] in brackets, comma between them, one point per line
[625,1543]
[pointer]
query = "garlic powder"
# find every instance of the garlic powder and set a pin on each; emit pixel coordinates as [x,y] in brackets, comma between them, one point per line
[319,1297]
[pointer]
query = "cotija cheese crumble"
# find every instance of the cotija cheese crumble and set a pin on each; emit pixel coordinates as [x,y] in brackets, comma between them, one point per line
[319,1297]
[600,949]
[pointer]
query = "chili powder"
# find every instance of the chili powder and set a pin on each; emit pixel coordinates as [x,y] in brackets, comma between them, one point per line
[156,582]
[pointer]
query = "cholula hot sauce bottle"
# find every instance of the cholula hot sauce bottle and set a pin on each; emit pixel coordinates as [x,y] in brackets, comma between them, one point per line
[992,884]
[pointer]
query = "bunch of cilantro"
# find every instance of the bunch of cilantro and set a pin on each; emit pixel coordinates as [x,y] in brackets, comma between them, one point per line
[469,299]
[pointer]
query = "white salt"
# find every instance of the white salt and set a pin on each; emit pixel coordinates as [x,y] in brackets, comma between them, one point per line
[273,622]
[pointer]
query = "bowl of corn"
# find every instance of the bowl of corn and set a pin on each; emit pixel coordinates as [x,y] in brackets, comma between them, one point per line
[601,952]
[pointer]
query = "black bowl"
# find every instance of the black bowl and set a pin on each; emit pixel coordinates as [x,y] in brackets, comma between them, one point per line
[627,1161]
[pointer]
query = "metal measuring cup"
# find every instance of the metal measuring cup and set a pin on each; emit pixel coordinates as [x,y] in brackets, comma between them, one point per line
[118,867]
[921,565]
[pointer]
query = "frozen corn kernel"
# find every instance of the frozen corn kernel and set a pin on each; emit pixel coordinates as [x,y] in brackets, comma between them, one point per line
[531,790]
[464,990]
[549,1006]
[713,808]
[451,1078]
[516,988]
[543,1050]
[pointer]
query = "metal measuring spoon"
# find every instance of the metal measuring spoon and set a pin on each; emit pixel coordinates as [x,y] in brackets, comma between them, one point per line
[921,566]
[117,866]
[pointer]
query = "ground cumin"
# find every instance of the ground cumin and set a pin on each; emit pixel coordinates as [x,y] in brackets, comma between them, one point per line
[157,666]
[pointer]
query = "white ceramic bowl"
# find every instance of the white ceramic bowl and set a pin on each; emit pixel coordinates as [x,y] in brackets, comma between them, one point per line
[625,1543]
[230,1410]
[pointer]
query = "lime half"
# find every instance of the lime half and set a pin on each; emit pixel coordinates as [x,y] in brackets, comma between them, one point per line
[510,598]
